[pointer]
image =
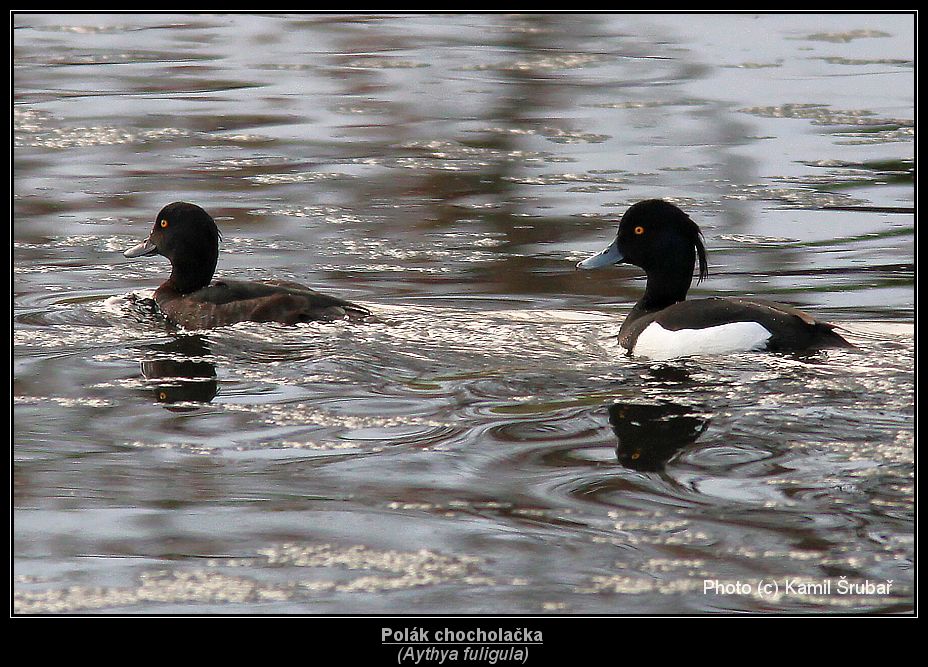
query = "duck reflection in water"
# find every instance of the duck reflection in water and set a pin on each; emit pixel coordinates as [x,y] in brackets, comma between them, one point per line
[650,434]
[180,372]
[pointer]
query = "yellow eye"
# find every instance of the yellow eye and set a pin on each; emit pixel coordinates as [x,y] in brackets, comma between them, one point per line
[639,230]
[164,223]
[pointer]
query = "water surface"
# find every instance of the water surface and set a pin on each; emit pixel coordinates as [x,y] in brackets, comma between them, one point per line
[485,447]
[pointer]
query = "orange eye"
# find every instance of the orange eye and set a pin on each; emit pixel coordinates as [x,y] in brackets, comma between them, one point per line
[639,230]
[164,223]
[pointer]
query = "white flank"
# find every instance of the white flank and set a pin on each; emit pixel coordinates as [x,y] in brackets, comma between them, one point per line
[657,343]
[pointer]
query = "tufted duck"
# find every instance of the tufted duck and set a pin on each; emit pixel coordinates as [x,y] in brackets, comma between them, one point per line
[661,239]
[188,237]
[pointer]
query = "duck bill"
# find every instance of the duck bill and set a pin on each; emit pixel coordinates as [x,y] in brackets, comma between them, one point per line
[144,248]
[611,255]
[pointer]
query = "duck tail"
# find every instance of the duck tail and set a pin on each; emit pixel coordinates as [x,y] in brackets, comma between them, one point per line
[828,337]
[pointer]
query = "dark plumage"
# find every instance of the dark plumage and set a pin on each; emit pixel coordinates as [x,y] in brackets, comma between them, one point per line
[189,238]
[661,239]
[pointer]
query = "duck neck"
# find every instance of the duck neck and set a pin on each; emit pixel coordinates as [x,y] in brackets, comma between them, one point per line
[666,287]
[190,275]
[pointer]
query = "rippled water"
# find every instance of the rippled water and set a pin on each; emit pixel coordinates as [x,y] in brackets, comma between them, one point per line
[484,447]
